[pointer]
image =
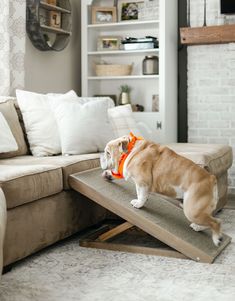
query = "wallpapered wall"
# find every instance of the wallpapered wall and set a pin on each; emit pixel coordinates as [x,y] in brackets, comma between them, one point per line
[12,45]
[52,71]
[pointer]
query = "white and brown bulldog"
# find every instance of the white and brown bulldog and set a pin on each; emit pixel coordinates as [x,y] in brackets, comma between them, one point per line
[158,169]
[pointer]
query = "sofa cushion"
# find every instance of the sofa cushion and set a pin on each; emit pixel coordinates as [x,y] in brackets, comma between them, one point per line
[122,121]
[9,112]
[40,124]
[74,164]
[3,219]
[83,128]
[23,182]
[20,117]
[215,158]
[68,164]
[7,140]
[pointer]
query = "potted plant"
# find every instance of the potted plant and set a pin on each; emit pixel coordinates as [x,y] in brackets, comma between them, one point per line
[125,97]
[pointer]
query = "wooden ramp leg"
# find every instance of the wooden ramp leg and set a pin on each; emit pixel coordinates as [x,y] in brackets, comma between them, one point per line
[115,231]
[100,241]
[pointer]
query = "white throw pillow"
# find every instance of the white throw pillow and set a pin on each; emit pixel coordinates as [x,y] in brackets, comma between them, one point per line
[83,125]
[40,124]
[122,121]
[7,140]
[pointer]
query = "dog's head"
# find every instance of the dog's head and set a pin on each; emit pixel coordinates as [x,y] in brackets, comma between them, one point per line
[113,152]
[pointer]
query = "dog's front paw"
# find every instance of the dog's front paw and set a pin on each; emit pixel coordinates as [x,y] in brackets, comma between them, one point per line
[107,175]
[137,204]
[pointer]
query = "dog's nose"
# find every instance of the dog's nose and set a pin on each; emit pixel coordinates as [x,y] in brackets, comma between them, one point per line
[103,161]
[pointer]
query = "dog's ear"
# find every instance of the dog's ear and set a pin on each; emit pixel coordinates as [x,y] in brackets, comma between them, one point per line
[123,146]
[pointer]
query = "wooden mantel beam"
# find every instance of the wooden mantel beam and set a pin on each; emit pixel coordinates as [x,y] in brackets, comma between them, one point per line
[208,35]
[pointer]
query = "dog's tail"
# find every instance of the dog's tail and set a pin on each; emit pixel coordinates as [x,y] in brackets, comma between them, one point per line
[215,191]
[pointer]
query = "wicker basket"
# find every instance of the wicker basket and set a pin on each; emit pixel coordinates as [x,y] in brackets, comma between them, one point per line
[112,70]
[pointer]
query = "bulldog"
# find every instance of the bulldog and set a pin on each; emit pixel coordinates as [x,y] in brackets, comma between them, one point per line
[155,168]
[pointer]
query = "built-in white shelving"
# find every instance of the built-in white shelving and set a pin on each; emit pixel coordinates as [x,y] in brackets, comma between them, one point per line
[129,77]
[164,122]
[123,52]
[125,24]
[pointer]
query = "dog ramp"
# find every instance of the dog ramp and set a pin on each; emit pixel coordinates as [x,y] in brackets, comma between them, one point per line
[158,217]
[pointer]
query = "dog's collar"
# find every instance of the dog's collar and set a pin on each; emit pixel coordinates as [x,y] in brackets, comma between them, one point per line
[131,144]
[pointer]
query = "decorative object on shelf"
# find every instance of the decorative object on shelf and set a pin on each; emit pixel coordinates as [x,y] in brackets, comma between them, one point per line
[128,10]
[45,28]
[155,103]
[204,12]
[148,42]
[150,65]
[103,14]
[52,2]
[188,13]
[137,108]
[149,10]
[125,95]
[54,19]
[112,96]
[108,43]
[105,69]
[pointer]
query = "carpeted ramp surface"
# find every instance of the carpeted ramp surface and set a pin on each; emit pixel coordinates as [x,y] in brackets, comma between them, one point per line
[159,218]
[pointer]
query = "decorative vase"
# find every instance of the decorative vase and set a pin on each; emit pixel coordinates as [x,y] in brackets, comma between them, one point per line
[124,98]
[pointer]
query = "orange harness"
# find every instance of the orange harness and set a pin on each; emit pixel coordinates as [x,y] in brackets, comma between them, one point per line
[122,160]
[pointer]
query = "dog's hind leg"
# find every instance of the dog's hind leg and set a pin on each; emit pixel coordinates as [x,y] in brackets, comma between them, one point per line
[204,221]
[142,196]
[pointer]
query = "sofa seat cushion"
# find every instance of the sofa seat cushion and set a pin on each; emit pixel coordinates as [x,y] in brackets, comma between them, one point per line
[23,182]
[68,164]
[215,158]
[73,164]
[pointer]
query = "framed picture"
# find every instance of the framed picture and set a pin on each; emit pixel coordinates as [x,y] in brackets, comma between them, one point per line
[150,10]
[108,43]
[128,10]
[155,103]
[101,14]
[55,19]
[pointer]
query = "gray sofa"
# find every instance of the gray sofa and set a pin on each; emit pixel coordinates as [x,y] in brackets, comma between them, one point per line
[41,207]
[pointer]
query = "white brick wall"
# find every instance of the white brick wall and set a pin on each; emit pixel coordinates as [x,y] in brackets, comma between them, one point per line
[211,85]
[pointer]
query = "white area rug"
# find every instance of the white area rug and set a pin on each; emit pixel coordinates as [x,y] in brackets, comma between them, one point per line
[67,272]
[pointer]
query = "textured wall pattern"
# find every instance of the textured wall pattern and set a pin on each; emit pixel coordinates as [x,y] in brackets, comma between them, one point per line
[12,45]
[211,85]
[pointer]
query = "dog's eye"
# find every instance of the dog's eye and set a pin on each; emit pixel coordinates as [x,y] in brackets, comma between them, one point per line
[108,154]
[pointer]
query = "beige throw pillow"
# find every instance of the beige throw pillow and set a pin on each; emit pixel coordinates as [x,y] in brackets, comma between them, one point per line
[7,140]
[8,110]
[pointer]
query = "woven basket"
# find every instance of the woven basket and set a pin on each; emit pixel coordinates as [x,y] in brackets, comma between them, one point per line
[112,70]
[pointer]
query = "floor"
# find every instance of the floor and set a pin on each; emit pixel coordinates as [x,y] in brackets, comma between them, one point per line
[67,272]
